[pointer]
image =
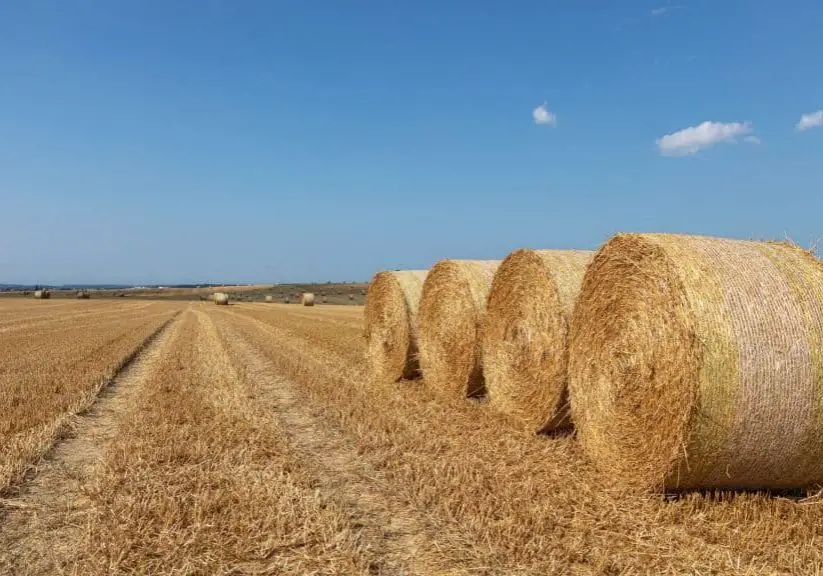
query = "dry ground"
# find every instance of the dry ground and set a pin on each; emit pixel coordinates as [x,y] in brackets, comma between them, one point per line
[248,440]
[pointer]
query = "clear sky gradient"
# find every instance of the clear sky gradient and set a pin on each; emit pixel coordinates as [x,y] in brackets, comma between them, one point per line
[273,141]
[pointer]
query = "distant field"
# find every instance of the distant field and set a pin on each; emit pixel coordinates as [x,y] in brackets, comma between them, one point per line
[249,439]
[334,293]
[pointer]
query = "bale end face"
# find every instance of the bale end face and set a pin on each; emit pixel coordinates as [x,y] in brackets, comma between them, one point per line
[525,335]
[390,324]
[221,299]
[452,306]
[307,299]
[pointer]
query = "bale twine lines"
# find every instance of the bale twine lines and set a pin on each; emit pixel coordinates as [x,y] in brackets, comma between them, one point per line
[450,319]
[221,298]
[307,299]
[525,337]
[392,302]
[698,362]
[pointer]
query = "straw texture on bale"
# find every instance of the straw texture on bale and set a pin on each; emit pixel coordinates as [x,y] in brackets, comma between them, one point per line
[42,294]
[307,299]
[221,298]
[392,302]
[450,320]
[698,363]
[525,338]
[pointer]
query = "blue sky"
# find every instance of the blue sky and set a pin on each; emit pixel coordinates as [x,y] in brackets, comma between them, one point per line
[263,141]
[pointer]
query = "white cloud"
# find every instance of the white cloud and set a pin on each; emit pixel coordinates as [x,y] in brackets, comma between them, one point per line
[752,139]
[694,138]
[807,121]
[663,9]
[542,115]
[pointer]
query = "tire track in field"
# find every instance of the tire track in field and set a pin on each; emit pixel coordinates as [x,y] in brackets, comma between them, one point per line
[37,525]
[389,528]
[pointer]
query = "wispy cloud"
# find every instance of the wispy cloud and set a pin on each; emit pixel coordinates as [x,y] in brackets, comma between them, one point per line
[542,115]
[695,138]
[811,120]
[659,11]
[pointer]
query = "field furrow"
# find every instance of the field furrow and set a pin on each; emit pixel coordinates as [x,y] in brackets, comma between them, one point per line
[199,478]
[50,374]
[40,528]
[398,535]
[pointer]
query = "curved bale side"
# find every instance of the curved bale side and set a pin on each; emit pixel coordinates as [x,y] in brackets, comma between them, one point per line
[698,363]
[42,294]
[221,298]
[390,324]
[525,338]
[452,306]
[307,299]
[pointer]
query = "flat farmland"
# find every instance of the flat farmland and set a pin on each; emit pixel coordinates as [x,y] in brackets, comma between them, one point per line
[187,438]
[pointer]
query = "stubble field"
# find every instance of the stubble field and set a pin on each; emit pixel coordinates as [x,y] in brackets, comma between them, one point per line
[186,438]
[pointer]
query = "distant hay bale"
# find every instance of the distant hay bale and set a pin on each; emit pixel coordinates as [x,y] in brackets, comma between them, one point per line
[307,299]
[351,297]
[698,363]
[82,295]
[42,294]
[390,316]
[525,336]
[269,298]
[450,319]
[221,298]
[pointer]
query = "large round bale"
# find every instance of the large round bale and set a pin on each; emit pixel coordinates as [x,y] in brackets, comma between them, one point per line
[307,299]
[698,363]
[82,295]
[221,298]
[392,302]
[269,298]
[525,337]
[450,319]
[42,294]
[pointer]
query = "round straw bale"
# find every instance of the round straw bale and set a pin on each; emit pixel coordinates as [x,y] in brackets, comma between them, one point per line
[82,295]
[269,298]
[221,298]
[307,299]
[698,363]
[42,294]
[390,317]
[525,337]
[450,319]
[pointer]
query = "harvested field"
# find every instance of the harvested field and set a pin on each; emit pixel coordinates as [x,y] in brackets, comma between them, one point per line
[53,367]
[249,440]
